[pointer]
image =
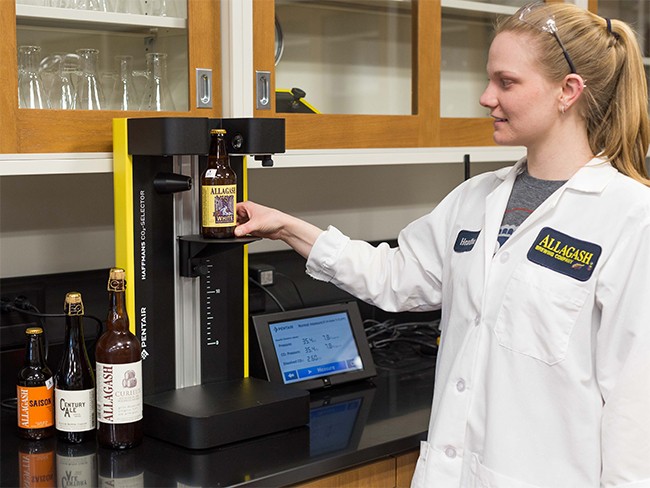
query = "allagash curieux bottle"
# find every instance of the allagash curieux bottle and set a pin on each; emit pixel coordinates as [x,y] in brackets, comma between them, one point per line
[35,390]
[218,191]
[74,382]
[119,373]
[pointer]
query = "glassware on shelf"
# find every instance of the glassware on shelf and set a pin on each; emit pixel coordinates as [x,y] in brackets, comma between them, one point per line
[124,95]
[31,91]
[157,96]
[59,68]
[99,5]
[90,95]
[128,6]
[62,3]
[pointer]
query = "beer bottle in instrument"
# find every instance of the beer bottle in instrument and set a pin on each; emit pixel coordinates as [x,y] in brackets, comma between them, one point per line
[119,373]
[35,390]
[218,191]
[74,382]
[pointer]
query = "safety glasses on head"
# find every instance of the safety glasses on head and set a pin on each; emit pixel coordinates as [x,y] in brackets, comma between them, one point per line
[547,25]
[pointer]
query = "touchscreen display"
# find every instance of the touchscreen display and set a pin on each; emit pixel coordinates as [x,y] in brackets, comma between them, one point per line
[314,347]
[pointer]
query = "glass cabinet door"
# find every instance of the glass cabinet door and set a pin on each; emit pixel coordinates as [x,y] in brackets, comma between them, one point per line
[466,33]
[347,73]
[74,65]
[346,57]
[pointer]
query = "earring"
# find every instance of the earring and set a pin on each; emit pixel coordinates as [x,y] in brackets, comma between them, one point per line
[563,109]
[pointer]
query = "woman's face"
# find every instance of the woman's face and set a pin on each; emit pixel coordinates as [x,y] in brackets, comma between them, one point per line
[524,104]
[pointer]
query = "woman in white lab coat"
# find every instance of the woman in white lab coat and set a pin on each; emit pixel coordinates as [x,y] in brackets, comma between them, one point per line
[542,270]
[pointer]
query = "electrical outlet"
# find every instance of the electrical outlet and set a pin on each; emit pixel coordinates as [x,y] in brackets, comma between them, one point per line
[13,323]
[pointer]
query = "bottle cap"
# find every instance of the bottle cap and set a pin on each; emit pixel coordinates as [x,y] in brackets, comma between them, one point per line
[117,279]
[218,131]
[73,303]
[34,330]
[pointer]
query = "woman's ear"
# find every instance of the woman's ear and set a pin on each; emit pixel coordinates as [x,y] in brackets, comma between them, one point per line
[572,89]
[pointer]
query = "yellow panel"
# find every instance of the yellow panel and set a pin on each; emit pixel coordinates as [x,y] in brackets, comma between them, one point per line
[245,196]
[123,209]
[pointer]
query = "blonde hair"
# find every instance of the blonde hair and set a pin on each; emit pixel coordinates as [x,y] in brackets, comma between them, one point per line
[615,99]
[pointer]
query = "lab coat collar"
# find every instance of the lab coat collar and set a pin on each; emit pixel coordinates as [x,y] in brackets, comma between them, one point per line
[593,177]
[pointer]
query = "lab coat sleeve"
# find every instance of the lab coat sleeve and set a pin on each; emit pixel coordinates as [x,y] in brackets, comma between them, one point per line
[405,278]
[623,358]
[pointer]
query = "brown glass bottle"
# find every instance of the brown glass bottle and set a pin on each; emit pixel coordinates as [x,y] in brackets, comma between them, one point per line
[218,191]
[74,381]
[119,373]
[35,390]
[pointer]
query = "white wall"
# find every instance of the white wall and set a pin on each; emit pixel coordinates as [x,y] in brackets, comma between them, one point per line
[63,223]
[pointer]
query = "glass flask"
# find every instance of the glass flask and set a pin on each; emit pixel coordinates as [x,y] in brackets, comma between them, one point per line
[124,96]
[157,96]
[57,69]
[31,91]
[90,95]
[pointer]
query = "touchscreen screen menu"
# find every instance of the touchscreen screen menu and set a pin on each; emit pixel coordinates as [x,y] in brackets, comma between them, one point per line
[314,347]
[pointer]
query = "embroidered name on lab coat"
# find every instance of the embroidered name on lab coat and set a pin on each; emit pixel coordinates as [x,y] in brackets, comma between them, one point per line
[564,254]
[465,240]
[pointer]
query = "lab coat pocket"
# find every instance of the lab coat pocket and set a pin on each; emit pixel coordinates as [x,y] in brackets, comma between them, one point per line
[538,313]
[483,477]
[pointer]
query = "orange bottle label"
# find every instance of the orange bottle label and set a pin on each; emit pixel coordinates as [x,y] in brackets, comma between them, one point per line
[37,470]
[35,407]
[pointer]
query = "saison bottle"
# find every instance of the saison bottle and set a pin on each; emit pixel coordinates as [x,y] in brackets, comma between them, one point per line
[218,191]
[119,373]
[35,390]
[74,382]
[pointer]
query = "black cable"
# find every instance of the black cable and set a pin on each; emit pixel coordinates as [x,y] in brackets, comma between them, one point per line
[30,309]
[295,287]
[273,297]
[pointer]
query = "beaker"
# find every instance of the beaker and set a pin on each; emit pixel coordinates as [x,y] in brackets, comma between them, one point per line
[31,92]
[124,96]
[90,95]
[157,96]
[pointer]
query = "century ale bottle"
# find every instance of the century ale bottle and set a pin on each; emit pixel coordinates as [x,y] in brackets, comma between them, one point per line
[35,390]
[74,382]
[119,373]
[218,191]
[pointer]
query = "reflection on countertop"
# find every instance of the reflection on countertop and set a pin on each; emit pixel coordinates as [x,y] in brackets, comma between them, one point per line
[349,425]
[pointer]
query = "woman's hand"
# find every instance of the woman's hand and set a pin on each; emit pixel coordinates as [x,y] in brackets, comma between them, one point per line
[259,221]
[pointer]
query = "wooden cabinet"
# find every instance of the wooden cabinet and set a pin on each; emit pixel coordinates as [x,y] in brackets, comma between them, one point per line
[378,474]
[394,472]
[405,466]
[67,131]
[417,127]
[443,75]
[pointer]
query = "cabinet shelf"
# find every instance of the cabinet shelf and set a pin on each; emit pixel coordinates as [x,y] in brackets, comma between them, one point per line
[65,18]
[479,8]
